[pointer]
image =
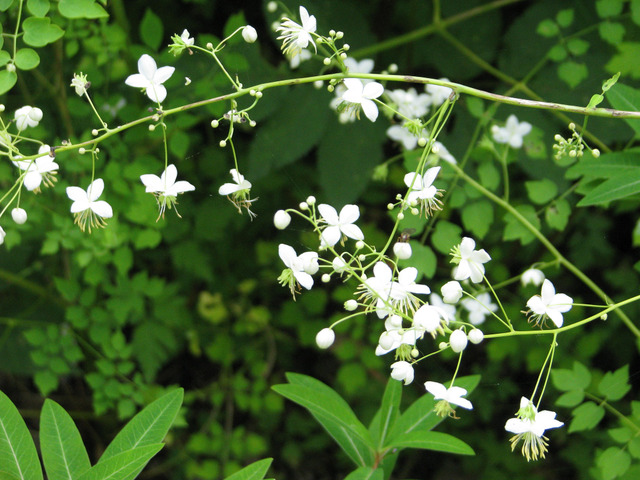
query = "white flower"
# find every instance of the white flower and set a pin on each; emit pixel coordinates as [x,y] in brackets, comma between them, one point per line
[401,293]
[238,192]
[281,219]
[299,268]
[429,318]
[40,170]
[422,191]
[402,371]
[549,304]
[533,276]
[529,426]
[339,265]
[458,340]
[187,39]
[2,235]
[470,262]
[325,338]
[376,289]
[19,215]
[339,225]
[363,66]
[440,151]
[447,396]
[165,188]
[476,336]
[87,209]
[151,78]
[249,34]
[363,95]
[402,135]
[402,250]
[438,93]
[512,133]
[80,83]
[451,292]
[409,104]
[27,117]
[298,58]
[396,336]
[294,36]
[447,311]
[479,307]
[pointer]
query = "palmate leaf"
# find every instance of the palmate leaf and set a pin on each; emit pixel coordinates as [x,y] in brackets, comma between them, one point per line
[63,453]
[333,413]
[18,455]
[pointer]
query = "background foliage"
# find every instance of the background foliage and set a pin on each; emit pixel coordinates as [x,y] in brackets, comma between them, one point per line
[104,323]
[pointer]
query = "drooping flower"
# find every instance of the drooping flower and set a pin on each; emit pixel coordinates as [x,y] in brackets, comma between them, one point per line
[430,319]
[2,235]
[458,340]
[402,250]
[549,304]
[294,36]
[451,292]
[80,83]
[299,268]
[409,103]
[402,135]
[27,116]
[397,337]
[447,396]
[89,212]
[348,115]
[376,290]
[19,215]
[362,96]
[150,78]
[469,261]
[438,93]
[38,171]
[339,225]
[512,133]
[479,307]
[422,191]
[529,426]
[165,188]
[447,311]
[402,292]
[402,371]
[238,192]
[533,276]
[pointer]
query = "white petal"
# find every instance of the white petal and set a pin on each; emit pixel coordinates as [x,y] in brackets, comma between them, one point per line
[329,214]
[182,186]
[95,189]
[555,316]
[304,279]
[147,66]
[287,254]
[370,109]
[372,90]
[436,389]
[430,175]
[137,80]
[102,208]
[163,74]
[562,302]
[32,180]
[330,236]
[228,189]
[352,231]
[152,183]
[349,214]
[517,426]
[156,93]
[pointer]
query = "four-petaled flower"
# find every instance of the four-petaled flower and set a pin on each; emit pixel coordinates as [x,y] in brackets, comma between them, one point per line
[447,396]
[479,307]
[512,133]
[470,261]
[27,117]
[294,36]
[38,171]
[529,426]
[89,212]
[150,78]
[165,188]
[339,225]
[362,96]
[299,268]
[549,304]
[186,38]
[422,191]
[238,192]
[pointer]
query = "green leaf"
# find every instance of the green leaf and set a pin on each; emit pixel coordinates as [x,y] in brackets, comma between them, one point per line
[586,417]
[635,11]
[541,191]
[547,28]
[579,378]
[596,100]
[366,473]
[151,29]
[63,452]
[607,84]
[81,9]
[613,462]
[625,61]
[617,187]
[445,236]
[148,427]
[623,97]
[608,8]
[489,175]
[572,73]
[39,32]
[565,17]
[477,218]
[611,32]
[621,434]
[386,416]
[557,53]
[27,58]
[577,46]
[441,442]
[615,385]
[607,165]
[570,399]
[557,214]
[18,455]
[39,8]
[123,466]
[422,258]
[5,4]
[634,447]
[7,81]
[333,413]
[5,57]
[255,471]
[514,230]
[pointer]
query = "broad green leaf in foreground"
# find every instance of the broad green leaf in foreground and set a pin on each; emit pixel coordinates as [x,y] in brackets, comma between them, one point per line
[255,471]
[123,466]
[441,442]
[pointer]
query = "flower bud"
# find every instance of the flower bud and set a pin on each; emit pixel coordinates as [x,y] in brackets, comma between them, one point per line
[533,276]
[458,340]
[451,292]
[311,200]
[476,336]
[325,338]
[2,235]
[303,206]
[272,6]
[326,278]
[214,123]
[402,250]
[350,305]
[281,219]
[19,215]
[359,245]
[249,34]
[339,265]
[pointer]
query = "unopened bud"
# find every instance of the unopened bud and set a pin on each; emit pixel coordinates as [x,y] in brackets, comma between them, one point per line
[325,338]
[350,305]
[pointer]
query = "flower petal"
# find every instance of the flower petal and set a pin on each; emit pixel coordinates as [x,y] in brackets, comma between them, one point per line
[138,81]
[95,189]
[163,74]
[352,231]
[370,109]
[151,182]
[349,214]
[102,208]
[147,66]
[329,214]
